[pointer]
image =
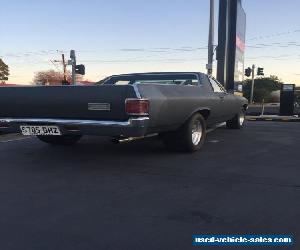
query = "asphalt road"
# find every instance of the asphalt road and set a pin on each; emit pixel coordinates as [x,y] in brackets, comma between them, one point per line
[98,195]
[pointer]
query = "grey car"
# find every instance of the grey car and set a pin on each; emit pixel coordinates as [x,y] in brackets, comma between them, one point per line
[177,106]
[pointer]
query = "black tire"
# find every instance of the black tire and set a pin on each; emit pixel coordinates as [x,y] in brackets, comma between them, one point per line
[237,122]
[182,139]
[60,140]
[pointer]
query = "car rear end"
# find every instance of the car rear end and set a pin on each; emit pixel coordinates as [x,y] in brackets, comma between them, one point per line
[107,110]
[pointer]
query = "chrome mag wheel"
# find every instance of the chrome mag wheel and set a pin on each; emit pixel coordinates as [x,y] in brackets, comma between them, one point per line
[197,131]
[242,118]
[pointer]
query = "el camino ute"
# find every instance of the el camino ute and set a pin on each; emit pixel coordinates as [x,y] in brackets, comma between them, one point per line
[177,106]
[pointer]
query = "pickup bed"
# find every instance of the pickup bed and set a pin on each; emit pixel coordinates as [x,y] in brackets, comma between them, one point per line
[178,106]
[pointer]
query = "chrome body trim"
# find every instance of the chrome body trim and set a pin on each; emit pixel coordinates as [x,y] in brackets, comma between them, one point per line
[134,127]
[99,106]
[136,90]
[130,122]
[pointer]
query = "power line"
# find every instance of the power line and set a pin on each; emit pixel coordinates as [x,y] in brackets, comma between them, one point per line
[40,53]
[167,50]
[144,60]
[55,65]
[275,35]
[190,49]
[274,57]
[272,45]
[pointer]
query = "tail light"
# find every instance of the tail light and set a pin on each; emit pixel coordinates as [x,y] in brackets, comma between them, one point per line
[137,106]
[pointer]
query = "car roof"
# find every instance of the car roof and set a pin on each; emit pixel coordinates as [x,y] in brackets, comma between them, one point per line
[158,73]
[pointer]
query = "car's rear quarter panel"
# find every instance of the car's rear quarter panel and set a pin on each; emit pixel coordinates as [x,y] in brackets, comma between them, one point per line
[172,105]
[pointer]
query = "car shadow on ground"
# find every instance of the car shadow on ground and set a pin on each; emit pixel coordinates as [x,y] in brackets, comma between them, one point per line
[151,146]
[93,152]
[101,153]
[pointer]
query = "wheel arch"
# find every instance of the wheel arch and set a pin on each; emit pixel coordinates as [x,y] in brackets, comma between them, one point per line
[245,107]
[205,112]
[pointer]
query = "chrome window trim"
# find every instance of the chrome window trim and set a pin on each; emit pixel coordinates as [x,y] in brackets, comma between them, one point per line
[136,90]
[219,85]
[195,74]
[162,74]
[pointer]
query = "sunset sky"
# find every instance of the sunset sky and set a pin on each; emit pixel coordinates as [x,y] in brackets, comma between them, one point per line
[116,36]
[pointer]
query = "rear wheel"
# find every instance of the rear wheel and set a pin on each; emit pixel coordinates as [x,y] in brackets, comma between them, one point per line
[189,138]
[60,140]
[237,122]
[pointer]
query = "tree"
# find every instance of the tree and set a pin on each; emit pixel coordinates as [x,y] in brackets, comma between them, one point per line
[262,88]
[4,71]
[52,77]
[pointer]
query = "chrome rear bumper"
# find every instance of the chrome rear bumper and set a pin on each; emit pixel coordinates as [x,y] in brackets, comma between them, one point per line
[132,127]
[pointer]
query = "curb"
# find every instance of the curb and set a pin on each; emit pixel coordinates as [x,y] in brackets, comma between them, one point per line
[273,118]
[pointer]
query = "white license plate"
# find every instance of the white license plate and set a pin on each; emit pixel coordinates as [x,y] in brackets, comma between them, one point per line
[40,130]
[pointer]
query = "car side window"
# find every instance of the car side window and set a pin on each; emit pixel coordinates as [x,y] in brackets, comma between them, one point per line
[216,86]
[190,82]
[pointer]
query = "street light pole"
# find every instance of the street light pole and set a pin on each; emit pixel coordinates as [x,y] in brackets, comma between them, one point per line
[209,65]
[252,85]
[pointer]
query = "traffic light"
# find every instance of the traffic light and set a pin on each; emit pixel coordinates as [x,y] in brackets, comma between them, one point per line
[80,69]
[72,54]
[260,71]
[248,72]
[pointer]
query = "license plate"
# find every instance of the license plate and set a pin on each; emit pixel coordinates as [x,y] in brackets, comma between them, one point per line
[40,130]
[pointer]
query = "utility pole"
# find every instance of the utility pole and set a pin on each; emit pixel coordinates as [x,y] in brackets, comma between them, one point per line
[65,80]
[252,85]
[209,65]
[73,63]
[64,68]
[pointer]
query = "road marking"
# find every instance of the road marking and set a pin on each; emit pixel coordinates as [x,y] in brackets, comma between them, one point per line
[214,141]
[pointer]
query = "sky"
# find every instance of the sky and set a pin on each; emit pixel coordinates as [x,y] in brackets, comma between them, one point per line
[117,36]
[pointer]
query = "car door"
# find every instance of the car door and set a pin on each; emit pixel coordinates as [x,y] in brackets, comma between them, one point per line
[225,101]
[230,102]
